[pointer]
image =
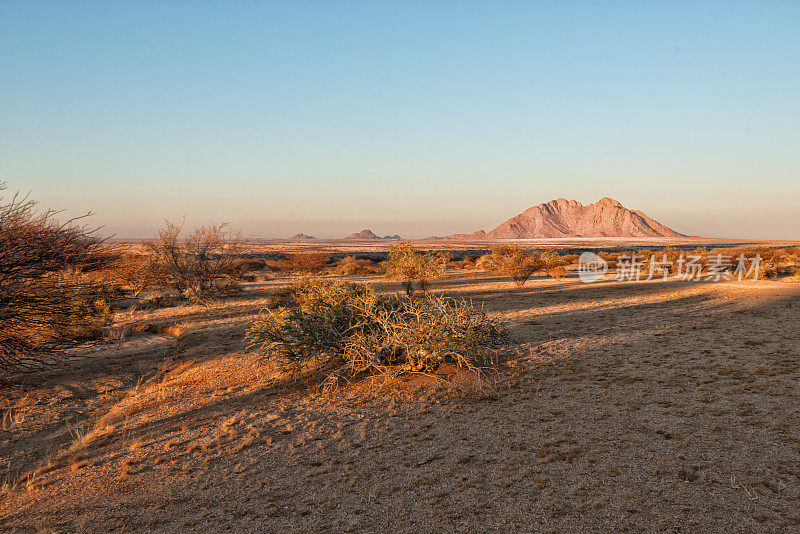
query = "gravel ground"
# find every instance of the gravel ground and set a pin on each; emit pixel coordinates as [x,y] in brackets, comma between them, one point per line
[644,406]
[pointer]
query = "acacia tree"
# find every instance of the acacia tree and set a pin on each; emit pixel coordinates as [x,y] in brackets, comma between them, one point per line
[45,299]
[515,262]
[409,265]
[200,263]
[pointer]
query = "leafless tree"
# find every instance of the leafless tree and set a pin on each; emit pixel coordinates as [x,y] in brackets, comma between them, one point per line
[200,263]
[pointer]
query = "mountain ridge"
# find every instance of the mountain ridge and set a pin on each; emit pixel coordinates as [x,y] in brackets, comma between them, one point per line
[569,218]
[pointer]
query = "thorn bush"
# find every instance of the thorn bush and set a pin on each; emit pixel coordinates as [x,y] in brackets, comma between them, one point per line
[343,330]
[45,297]
[515,262]
[201,264]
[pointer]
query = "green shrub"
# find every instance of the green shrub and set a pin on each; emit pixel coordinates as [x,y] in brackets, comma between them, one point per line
[409,265]
[343,330]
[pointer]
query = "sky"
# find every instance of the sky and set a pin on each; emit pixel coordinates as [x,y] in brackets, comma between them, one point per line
[412,118]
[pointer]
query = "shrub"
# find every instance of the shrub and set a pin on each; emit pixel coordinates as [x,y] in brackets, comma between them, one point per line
[301,263]
[250,264]
[570,259]
[557,272]
[199,265]
[63,305]
[467,262]
[351,266]
[343,330]
[702,252]
[45,299]
[671,253]
[775,262]
[553,264]
[484,263]
[310,262]
[409,265]
[281,298]
[457,265]
[665,260]
[550,259]
[139,273]
[610,258]
[775,268]
[515,262]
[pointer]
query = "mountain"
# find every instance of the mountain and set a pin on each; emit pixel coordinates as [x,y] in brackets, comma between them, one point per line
[367,234]
[302,236]
[363,234]
[570,218]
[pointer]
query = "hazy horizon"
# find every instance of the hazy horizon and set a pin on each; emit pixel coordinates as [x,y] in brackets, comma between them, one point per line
[346,228]
[415,119]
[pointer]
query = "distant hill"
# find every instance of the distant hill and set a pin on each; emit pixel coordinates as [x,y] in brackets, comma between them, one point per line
[367,234]
[302,236]
[570,218]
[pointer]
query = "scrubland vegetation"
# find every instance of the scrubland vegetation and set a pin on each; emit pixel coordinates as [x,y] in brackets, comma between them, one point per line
[60,281]
[777,262]
[520,264]
[352,266]
[300,263]
[345,330]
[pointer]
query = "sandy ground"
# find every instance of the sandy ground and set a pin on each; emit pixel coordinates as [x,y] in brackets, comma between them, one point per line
[636,406]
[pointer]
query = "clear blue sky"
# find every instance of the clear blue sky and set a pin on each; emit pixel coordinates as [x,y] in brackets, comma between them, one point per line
[415,118]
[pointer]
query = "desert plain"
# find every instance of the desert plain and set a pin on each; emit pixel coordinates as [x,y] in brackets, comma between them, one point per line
[620,406]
